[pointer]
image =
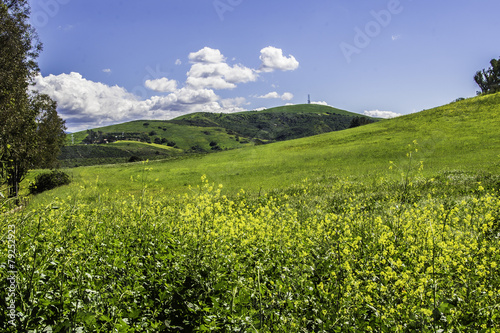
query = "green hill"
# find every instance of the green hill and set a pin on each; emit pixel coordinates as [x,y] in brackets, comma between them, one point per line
[277,124]
[116,152]
[205,132]
[459,136]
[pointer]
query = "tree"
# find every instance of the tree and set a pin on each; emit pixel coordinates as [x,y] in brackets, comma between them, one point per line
[489,79]
[50,136]
[30,129]
[360,121]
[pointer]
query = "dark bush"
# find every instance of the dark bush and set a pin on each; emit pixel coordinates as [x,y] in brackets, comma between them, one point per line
[134,158]
[48,181]
[198,148]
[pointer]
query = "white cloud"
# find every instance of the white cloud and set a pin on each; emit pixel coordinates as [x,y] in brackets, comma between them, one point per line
[260,109]
[211,82]
[320,103]
[83,101]
[199,96]
[207,55]
[382,114]
[218,75]
[87,104]
[395,37]
[107,70]
[178,62]
[272,59]
[273,94]
[161,85]
[233,104]
[286,96]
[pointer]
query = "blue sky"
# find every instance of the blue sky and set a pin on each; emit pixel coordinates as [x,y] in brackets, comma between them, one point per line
[110,61]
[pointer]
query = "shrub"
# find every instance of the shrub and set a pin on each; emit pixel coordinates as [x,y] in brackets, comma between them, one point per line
[134,158]
[48,181]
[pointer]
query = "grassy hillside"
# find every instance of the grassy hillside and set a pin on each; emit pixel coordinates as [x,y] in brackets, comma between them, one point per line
[277,124]
[459,136]
[116,152]
[184,137]
[207,132]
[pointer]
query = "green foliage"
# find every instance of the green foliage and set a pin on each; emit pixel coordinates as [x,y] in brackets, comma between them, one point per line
[117,152]
[48,181]
[31,132]
[360,121]
[489,79]
[339,254]
[134,158]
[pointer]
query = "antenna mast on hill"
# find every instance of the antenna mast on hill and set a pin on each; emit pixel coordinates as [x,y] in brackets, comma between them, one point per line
[308,99]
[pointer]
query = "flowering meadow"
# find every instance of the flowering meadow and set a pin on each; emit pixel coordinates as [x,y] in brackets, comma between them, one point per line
[331,255]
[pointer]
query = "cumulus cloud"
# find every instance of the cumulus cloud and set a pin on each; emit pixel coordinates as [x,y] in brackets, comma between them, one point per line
[320,103]
[382,114]
[107,70]
[86,104]
[274,95]
[207,55]
[178,62]
[233,104]
[211,71]
[161,85]
[80,100]
[273,59]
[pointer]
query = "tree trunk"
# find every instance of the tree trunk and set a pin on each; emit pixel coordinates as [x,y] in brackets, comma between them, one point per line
[14,183]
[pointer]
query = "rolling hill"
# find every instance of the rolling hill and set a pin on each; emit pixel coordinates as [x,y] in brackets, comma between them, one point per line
[204,132]
[461,136]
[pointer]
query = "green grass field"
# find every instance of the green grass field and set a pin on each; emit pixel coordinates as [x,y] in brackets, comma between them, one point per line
[389,227]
